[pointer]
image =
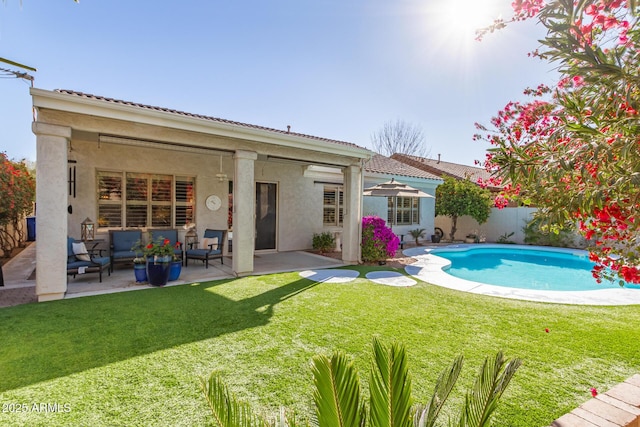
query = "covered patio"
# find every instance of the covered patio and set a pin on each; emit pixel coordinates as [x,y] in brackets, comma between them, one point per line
[130,166]
[19,272]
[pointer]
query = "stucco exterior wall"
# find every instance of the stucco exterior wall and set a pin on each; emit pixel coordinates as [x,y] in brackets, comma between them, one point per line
[299,203]
[299,199]
[91,158]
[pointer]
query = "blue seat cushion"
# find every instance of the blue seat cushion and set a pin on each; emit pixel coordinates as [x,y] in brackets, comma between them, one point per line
[202,252]
[123,255]
[124,240]
[77,264]
[211,234]
[71,257]
[103,261]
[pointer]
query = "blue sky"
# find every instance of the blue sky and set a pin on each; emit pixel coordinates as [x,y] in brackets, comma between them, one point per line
[332,68]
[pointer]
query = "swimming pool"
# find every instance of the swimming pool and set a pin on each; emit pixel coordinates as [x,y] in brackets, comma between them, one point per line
[532,268]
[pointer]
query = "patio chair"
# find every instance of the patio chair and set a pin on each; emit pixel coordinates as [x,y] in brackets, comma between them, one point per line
[213,247]
[172,235]
[121,243]
[81,261]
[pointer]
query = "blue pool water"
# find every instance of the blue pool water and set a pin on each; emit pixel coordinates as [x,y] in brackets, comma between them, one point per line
[526,268]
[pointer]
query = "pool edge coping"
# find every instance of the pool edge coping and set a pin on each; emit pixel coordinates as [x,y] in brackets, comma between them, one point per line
[431,270]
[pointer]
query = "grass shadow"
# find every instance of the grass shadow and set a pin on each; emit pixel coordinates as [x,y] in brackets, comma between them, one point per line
[50,340]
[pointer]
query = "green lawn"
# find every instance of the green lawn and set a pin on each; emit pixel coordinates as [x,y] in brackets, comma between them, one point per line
[135,358]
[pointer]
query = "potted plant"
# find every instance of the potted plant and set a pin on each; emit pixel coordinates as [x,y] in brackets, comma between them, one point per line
[472,237]
[159,254]
[176,267]
[139,263]
[437,235]
[140,269]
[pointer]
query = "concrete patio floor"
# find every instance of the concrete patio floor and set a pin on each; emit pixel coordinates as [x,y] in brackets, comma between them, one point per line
[19,280]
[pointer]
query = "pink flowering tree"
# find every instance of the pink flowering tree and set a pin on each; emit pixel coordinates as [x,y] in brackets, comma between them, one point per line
[573,150]
[378,241]
[17,193]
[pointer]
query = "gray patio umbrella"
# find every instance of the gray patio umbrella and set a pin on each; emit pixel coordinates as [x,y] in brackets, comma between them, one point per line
[394,188]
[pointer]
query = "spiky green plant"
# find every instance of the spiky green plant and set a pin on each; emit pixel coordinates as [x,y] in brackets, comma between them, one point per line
[482,400]
[226,409]
[337,393]
[390,401]
[339,402]
[426,416]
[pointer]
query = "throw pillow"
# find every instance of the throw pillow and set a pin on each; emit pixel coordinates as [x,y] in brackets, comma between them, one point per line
[80,251]
[210,241]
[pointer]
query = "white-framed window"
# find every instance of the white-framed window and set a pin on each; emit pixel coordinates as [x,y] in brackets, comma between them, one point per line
[332,206]
[138,200]
[403,210]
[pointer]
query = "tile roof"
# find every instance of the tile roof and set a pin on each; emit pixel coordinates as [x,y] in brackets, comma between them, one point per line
[200,116]
[440,168]
[389,166]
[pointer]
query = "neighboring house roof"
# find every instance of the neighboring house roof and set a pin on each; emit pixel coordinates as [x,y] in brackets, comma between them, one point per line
[440,168]
[199,116]
[389,166]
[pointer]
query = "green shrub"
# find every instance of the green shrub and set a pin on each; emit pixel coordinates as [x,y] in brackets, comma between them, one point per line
[538,233]
[505,238]
[324,242]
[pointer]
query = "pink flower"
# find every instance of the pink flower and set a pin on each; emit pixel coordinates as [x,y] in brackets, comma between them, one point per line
[594,392]
[592,10]
[578,81]
[500,202]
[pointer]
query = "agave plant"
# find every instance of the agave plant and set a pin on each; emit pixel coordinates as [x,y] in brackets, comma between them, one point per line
[339,399]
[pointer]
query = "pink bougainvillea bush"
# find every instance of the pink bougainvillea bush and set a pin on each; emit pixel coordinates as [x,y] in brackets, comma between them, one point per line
[573,149]
[378,241]
[17,193]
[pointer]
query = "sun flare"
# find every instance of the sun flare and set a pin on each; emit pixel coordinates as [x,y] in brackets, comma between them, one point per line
[458,20]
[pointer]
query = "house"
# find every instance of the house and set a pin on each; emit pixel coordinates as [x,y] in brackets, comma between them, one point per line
[402,214]
[504,223]
[127,165]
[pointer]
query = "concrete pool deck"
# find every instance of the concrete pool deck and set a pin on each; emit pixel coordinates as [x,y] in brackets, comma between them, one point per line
[431,268]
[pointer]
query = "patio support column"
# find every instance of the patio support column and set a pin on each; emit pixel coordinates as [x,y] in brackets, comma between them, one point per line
[51,218]
[244,211]
[352,214]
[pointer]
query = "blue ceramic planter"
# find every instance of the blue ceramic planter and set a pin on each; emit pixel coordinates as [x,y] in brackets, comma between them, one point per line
[174,270]
[158,269]
[140,270]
